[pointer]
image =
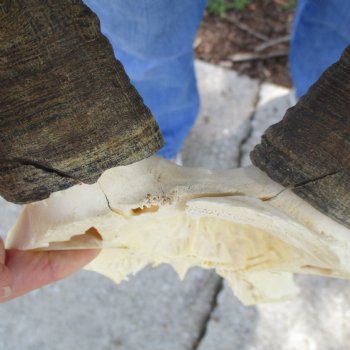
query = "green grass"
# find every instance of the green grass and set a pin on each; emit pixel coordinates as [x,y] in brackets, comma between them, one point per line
[220,7]
[289,5]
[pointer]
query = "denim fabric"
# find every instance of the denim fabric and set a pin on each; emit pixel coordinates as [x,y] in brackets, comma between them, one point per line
[153,39]
[321,31]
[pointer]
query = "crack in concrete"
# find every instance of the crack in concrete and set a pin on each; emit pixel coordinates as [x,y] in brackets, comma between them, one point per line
[213,304]
[250,130]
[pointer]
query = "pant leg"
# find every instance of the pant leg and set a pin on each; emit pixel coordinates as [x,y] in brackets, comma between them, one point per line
[153,39]
[321,31]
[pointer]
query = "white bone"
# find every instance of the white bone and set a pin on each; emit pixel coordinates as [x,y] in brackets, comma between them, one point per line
[252,231]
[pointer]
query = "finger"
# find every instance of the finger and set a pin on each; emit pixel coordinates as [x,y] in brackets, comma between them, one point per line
[2,252]
[32,270]
[5,282]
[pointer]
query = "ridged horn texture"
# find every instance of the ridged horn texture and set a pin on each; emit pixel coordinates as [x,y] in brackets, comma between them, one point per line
[68,110]
[309,150]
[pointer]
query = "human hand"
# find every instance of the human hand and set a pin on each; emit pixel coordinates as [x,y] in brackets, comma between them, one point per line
[22,272]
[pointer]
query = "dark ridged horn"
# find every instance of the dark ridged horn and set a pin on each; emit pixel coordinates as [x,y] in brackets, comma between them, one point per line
[68,109]
[309,150]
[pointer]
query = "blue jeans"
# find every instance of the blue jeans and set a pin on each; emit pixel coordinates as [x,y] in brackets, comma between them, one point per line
[321,32]
[153,39]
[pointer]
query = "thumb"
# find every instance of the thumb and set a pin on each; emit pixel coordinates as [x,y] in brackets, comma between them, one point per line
[32,270]
[5,282]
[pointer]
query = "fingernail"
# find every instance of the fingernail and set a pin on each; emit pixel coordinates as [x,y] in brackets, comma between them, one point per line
[5,292]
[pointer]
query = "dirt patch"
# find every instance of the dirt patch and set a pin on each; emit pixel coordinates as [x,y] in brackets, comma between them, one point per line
[253,41]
